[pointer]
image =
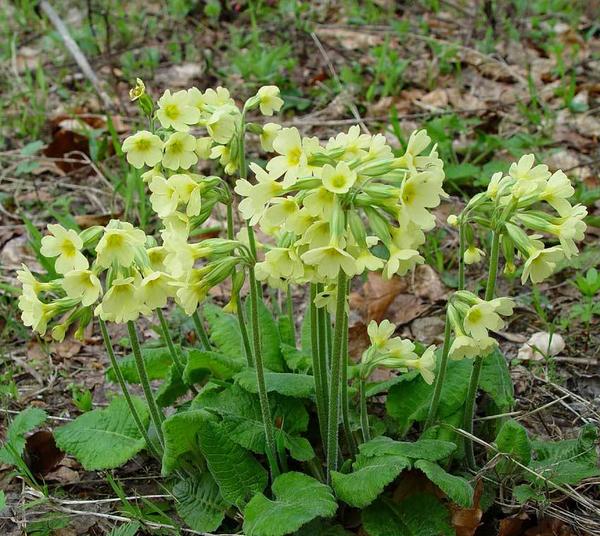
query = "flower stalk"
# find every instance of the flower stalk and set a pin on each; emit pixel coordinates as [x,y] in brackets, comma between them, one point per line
[320,393]
[155,413]
[336,376]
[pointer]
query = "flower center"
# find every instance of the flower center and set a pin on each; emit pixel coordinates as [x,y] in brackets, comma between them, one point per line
[176,147]
[68,248]
[172,111]
[143,144]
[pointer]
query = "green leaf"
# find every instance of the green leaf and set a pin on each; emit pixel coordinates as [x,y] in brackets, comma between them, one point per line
[128,529]
[299,499]
[269,337]
[199,502]
[23,423]
[456,488]
[299,447]
[224,331]
[524,493]
[242,418]
[305,337]
[286,332]
[104,438]
[495,380]
[512,439]
[200,364]
[368,480]
[284,383]
[460,173]
[296,360]
[568,461]
[423,449]
[420,514]
[235,470]
[2,501]
[157,361]
[179,431]
[171,389]
[409,401]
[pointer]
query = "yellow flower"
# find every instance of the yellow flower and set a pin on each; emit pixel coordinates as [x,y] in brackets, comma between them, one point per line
[464,346]
[29,282]
[293,159]
[268,134]
[524,170]
[281,209]
[196,99]
[143,148]
[66,246]
[189,191]
[417,143]
[473,255]
[136,92]
[257,196]
[192,292]
[329,260]
[155,289]
[353,144]
[401,261]
[204,147]
[365,260]
[570,229]
[418,193]
[379,334]
[221,126]
[180,151]
[83,285]
[338,180]
[218,97]
[556,192]
[480,318]
[541,263]
[151,173]
[34,313]
[424,364]
[121,303]
[174,111]
[164,197]
[119,244]
[156,256]
[299,222]
[319,203]
[269,100]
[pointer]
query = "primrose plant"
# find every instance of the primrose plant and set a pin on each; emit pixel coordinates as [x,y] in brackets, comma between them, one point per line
[246,406]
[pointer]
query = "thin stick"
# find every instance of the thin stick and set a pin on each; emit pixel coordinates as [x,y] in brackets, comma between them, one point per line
[75,51]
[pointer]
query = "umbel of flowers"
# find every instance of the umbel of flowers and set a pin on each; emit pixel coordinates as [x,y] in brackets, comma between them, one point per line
[329,211]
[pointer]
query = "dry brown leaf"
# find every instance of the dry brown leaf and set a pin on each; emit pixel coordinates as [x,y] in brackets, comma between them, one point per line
[63,475]
[428,330]
[26,59]
[513,526]
[89,220]
[358,340]
[405,308]
[376,296]
[350,39]
[540,345]
[467,520]
[41,453]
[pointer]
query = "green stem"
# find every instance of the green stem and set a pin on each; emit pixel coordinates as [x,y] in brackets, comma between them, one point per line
[364,416]
[322,338]
[119,374]
[461,255]
[476,372]
[176,358]
[155,413]
[336,377]
[345,402]
[441,375]
[201,330]
[265,409]
[289,305]
[316,364]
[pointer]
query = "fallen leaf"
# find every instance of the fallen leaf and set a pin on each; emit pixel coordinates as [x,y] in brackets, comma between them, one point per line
[63,475]
[467,520]
[376,296]
[541,345]
[513,526]
[405,308]
[427,284]
[41,453]
[428,330]
[358,340]
[89,220]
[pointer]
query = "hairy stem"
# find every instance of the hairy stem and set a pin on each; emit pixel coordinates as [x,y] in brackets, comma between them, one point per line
[476,372]
[345,402]
[155,413]
[316,364]
[364,416]
[119,374]
[238,299]
[289,306]
[265,409]
[201,330]
[441,375]
[336,377]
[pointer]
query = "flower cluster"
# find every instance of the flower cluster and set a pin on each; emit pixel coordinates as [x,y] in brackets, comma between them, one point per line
[329,205]
[395,353]
[129,275]
[528,199]
[472,319]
